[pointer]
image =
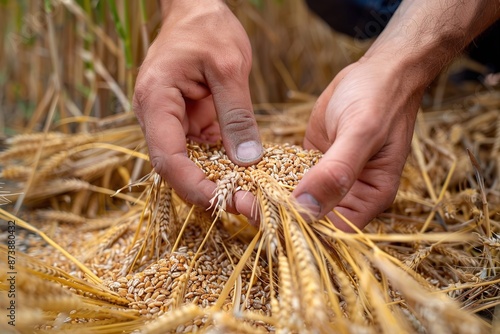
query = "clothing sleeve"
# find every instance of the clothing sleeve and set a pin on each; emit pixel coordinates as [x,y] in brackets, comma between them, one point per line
[361,19]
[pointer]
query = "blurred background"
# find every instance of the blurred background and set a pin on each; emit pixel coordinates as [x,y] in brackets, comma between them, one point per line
[66,64]
[79,58]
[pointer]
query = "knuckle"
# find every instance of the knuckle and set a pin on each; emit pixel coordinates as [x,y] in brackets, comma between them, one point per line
[190,197]
[138,100]
[231,65]
[237,120]
[383,194]
[158,164]
[388,193]
[338,176]
[141,93]
[370,127]
[187,190]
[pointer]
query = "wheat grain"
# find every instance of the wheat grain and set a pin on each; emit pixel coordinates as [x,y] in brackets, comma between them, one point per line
[286,164]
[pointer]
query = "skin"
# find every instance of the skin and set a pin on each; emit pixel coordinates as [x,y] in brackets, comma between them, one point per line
[194,83]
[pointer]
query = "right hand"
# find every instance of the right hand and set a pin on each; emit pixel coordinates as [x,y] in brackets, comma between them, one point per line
[194,83]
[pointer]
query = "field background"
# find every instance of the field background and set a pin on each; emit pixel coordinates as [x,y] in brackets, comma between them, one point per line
[69,67]
[85,55]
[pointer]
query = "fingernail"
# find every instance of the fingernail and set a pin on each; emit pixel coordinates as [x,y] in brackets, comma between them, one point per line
[310,203]
[248,151]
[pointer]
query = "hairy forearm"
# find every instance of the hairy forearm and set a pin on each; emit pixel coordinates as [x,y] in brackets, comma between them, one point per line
[425,35]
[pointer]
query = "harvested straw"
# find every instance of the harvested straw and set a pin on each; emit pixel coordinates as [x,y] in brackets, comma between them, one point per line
[180,269]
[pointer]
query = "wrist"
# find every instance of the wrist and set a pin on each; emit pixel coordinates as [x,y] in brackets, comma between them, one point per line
[181,7]
[423,37]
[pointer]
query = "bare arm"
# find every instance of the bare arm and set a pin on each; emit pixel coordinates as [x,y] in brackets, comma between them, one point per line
[425,35]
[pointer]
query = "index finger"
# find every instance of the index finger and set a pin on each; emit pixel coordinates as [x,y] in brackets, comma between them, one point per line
[162,114]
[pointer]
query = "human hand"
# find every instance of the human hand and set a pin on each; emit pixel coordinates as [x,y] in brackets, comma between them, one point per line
[364,120]
[195,73]
[364,123]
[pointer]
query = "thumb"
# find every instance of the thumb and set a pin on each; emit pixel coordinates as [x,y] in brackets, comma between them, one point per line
[239,131]
[326,184]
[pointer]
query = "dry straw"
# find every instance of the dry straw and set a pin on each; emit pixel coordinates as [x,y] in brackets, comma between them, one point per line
[161,265]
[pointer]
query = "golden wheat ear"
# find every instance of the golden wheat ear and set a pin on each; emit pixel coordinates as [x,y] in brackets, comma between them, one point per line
[49,298]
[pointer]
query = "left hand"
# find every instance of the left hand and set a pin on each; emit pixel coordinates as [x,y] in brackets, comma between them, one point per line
[363,122]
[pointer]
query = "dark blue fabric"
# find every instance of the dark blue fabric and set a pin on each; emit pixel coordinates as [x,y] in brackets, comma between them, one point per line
[380,6]
[361,19]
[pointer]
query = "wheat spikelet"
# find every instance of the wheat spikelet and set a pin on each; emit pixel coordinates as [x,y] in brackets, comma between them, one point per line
[31,319]
[97,169]
[437,312]
[351,306]
[414,259]
[109,315]
[27,150]
[225,188]
[168,227]
[456,256]
[30,138]
[49,146]
[49,167]
[288,311]
[60,216]
[271,239]
[108,238]
[171,320]
[94,325]
[223,323]
[272,231]
[385,319]
[35,294]
[131,257]
[375,293]
[312,296]
[160,218]
[271,188]
[56,187]
[18,173]
[35,268]
[177,293]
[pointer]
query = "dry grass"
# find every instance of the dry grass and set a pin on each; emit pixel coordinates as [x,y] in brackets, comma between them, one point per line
[428,264]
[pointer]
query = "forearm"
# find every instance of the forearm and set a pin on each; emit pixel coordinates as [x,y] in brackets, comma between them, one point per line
[423,36]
